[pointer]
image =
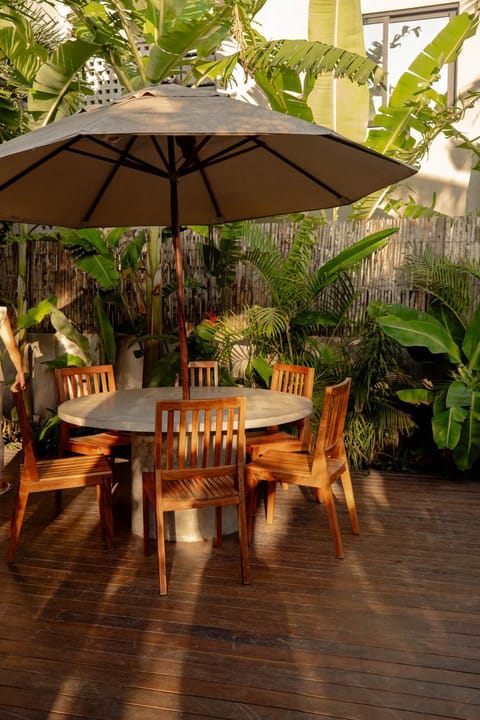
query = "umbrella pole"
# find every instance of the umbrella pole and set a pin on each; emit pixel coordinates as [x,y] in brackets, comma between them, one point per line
[177,248]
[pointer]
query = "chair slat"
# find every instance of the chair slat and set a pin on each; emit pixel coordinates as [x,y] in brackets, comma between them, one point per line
[75,382]
[293,379]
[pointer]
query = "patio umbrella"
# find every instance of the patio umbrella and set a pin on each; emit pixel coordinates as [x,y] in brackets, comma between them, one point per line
[171,154]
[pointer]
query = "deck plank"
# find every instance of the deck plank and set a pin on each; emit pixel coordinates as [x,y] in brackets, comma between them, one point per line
[392,632]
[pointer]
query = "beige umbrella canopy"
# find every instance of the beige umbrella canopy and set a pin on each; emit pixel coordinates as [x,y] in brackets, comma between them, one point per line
[169,155]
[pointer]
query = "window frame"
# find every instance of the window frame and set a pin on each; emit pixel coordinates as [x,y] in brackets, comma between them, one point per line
[386,18]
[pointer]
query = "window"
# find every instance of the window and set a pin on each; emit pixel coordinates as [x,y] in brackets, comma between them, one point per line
[394,39]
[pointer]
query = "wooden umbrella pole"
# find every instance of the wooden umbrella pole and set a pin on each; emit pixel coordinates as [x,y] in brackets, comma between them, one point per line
[177,247]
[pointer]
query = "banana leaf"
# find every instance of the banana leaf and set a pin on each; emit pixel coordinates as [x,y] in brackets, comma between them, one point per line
[447,427]
[471,341]
[337,102]
[105,330]
[58,89]
[416,396]
[35,315]
[467,451]
[63,325]
[421,333]
[393,124]
[458,395]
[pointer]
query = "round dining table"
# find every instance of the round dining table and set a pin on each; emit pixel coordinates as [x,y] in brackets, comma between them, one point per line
[134,411]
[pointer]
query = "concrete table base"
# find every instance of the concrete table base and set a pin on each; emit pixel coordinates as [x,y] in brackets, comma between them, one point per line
[187,525]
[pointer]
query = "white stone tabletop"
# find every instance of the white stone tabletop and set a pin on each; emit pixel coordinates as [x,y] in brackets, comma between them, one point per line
[134,410]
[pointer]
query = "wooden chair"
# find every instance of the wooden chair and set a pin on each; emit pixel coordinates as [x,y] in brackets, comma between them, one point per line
[318,469]
[74,382]
[199,450]
[203,373]
[58,474]
[297,380]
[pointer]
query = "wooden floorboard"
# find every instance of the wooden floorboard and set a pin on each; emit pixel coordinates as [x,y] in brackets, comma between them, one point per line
[392,632]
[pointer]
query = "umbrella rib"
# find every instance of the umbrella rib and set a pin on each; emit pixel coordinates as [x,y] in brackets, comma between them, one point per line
[38,163]
[221,155]
[299,169]
[192,163]
[128,160]
[108,180]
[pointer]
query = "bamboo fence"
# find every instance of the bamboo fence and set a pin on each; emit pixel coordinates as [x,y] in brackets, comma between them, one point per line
[51,271]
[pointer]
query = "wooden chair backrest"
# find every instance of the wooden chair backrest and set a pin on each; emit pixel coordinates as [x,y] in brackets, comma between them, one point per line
[329,441]
[203,373]
[30,468]
[293,379]
[204,436]
[74,382]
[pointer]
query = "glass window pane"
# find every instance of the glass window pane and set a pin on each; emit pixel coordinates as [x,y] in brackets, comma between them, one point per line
[406,39]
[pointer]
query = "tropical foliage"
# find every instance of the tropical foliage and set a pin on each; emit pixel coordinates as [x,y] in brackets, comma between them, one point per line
[416,113]
[303,302]
[450,331]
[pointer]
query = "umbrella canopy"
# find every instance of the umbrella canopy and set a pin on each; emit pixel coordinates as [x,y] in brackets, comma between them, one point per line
[169,155]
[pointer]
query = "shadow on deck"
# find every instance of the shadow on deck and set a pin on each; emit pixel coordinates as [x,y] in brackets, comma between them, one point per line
[389,633]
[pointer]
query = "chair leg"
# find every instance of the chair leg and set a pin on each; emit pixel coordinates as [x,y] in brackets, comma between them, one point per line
[146,521]
[161,554]
[243,542]
[329,502]
[107,510]
[218,527]
[271,487]
[350,500]
[251,505]
[18,514]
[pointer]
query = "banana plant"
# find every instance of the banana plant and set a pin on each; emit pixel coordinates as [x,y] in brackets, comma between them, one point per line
[63,326]
[337,102]
[48,76]
[455,402]
[416,113]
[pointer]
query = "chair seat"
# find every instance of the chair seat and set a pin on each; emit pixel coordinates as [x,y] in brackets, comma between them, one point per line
[292,467]
[101,443]
[196,492]
[262,443]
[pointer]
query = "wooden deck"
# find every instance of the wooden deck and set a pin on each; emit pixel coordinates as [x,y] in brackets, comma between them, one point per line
[390,633]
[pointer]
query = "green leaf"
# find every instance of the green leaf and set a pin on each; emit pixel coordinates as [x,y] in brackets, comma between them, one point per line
[263,368]
[65,360]
[447,427]
[471,341]
[36,314]
[351,256]
[467,451]
[339,103]
[57,88]
[18,44]
[458,395]
[102,268]
[61,323]
[425,332]
[105,330]
[416,396]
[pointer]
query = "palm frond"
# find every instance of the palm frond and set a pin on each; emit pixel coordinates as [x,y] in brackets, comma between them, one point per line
[447,283]
[313,58]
